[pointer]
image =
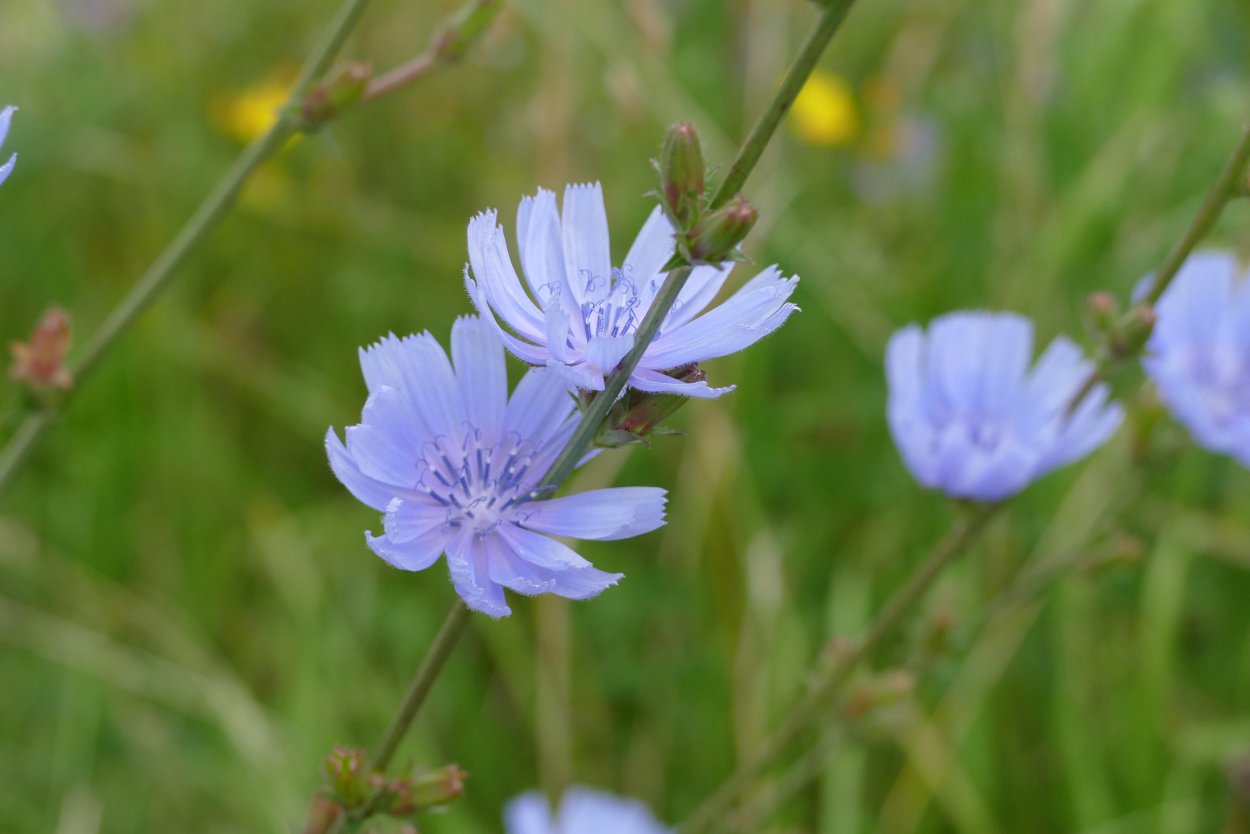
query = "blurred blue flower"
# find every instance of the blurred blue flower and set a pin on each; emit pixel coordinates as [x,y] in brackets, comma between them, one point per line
[6,118]
[453,463]
[582,811]
[581,313]
[1199,352]
[972,419]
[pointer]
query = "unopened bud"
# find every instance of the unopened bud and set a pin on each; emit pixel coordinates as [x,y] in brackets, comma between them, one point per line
[336,93]
[41,361]
[437,787]
[1102,309]
[350,785]
[721,231]
[1135,329]
[681,175]
[639,414]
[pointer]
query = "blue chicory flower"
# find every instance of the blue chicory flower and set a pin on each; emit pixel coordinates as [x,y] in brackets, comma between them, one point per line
[6,118]
[1199,352]
[580,314]
[454,465]
[972,419]
[582,811]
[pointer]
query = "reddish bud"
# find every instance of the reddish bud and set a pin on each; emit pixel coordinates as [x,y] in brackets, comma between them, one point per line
[1102,309]
[41,361]
[350,785]
[639,414]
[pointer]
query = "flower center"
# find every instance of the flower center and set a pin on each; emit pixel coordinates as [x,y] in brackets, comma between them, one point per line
[480,486]
[617,313]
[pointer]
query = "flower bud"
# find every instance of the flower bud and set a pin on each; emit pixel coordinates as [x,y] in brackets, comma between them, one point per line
[639,414]
[437,787]
[349,782]
[41,361]
[721,231]
[336,93]
[681,175]
[1101,309]
[1135,329]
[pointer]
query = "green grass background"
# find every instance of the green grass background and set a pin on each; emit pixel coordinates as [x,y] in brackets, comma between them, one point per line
[189,618]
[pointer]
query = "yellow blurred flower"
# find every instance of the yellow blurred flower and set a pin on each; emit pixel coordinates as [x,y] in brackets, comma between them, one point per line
[824,112]
[246,114]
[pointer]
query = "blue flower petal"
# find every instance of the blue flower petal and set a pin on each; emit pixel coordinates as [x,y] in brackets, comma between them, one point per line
[480,372]
[598,515]
[587,259]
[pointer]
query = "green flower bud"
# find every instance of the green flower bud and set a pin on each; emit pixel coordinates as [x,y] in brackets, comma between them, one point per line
[681,175]
[718,236]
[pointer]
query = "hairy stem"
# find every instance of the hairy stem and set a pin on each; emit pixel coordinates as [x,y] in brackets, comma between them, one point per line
[445,641]
[816,700]
[766,125]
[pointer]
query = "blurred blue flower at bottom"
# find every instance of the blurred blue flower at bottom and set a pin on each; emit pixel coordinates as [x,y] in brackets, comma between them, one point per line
[582,811]
[972,419]
[6,118]
[1199,352]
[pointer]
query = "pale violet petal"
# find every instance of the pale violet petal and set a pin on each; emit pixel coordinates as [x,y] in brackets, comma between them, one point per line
[541,246]
[539,406]
[605,352]
[539,550]
[468,564]
[366,490]
[587,257]
[657,383]
[497,280]
[652,249]
[529,813]
[598,515]
[477,354]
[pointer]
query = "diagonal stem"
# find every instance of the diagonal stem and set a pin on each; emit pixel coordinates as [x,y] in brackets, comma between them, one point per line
[766,125]
[445,642]
[818,696]
[1227,185]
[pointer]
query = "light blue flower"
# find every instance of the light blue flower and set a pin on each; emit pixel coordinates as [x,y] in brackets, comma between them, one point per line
[580,314]
[972,419]
[1199,352]
[582,811]
[6,118]
[453,463]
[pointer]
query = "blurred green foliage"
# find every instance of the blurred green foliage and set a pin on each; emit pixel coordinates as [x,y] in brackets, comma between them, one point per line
[189,618]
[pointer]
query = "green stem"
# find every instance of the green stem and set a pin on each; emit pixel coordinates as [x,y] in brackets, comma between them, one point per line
[766,125]
[445,641]
[816,700]
[205,219]
[1228,184]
